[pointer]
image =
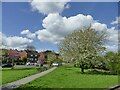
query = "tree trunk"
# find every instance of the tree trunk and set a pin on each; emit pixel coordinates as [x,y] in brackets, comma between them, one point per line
[82,69]
[12,63]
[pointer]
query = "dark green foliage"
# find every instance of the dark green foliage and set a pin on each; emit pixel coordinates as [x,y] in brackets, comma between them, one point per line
[24,60]
[112,62]
[42,69]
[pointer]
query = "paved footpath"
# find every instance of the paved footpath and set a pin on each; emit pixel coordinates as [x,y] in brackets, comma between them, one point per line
[16,84]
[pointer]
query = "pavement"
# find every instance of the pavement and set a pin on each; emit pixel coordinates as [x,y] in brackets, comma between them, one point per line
[116,87]
[26,80]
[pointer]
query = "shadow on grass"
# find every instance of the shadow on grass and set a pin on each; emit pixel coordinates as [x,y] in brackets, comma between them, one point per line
[18,69]
[96,72]
[69,68]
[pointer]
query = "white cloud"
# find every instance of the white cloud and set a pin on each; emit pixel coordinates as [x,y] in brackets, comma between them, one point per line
[113,47]
[47,6]
[28,34]
[44,35]
[25,32]
[116,22]
[112,35]
[99,26]
[14,41]
[56,27]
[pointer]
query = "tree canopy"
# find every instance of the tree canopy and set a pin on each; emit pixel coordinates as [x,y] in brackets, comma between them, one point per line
[31,48]
[82,46]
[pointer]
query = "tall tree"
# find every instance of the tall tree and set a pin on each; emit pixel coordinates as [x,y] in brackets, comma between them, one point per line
[31,48]
[82,46]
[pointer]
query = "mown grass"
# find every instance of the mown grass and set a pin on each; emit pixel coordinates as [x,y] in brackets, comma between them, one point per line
[10,75]
[0,76]
[67,77]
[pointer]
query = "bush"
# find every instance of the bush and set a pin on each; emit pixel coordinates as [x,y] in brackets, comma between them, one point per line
[112,62]
[42,69]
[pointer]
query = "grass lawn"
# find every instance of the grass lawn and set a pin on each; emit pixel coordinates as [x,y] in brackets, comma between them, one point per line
[71,78]
[0,76]
[9,75]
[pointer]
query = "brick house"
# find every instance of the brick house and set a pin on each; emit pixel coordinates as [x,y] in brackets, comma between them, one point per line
[14,54]
[41,58]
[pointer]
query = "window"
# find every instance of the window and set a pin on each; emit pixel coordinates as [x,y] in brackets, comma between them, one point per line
[32,59]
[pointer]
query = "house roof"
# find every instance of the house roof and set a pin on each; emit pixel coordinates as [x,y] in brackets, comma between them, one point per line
[31,52]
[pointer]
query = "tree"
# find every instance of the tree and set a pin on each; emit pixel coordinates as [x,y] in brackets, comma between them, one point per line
[51,57]
[112,62]
[118,62]
[31,48]
[82,46]
[24,60]
[4,55]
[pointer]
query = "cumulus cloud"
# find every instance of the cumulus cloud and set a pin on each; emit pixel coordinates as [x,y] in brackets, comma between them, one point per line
[13,42]
[112,35]
[44,35]
[113,47]
[116,22]
[62,25]
[28,34]
[46,6]
[99,26]
[56,27]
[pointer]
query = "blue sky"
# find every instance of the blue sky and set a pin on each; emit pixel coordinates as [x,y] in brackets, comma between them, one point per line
[17,17]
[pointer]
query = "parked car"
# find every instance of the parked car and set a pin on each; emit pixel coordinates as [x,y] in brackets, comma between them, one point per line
[56,64]
[36,64]
[7,66]
[29,63]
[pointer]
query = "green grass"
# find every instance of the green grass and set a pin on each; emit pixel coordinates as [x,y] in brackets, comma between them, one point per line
[0,76]
[71,78]
[10,75]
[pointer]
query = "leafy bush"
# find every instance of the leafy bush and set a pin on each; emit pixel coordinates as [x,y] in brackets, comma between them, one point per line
[43,68]
[112,62]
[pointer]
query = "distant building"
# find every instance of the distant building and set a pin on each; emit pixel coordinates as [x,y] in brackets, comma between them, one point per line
[13,54]
[42,57]
[32,56]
